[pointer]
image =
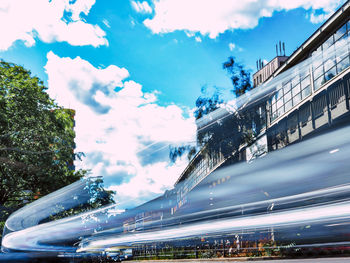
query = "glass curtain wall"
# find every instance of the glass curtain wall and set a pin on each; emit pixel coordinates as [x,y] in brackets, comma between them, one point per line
[326,62]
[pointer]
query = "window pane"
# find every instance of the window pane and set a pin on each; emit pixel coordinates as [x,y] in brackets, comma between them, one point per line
[279,94]
[287,87]
[287,96]
[279,103]
[273,100]
[304,72]
[306,92]
[343,64]
[329,64]
[330,73]
[317,60]
[280,111]
[296,89]
[318,83]
[305,82]
[274,107]
[341,31]
[328,43]
[318,72]
[296,99]
[341,52]
[288,105]
[295,80]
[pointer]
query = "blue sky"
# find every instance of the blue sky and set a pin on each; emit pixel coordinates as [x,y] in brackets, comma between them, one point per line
[133,69]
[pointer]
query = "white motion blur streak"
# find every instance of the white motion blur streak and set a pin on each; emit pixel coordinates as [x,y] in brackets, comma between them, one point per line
[311,159]
[295,217]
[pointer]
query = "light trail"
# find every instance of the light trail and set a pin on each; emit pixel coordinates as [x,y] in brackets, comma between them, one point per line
[309,168]
[303,216]
[301,184]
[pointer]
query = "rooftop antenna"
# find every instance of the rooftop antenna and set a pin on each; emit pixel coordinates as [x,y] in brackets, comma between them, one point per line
[276,50]
[280,48]
[257,66]
[284,50]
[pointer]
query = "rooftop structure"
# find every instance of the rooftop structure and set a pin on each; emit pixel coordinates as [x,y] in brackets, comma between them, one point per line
[264,73]
[306,95]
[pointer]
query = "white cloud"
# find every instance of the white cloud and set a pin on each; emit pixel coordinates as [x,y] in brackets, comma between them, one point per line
[141,7]
[125,134]
[231,46]
[57,20]
[210,17]
[319,18]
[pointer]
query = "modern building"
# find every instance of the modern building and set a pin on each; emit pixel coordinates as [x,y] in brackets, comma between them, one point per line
[294,98]
[266,71]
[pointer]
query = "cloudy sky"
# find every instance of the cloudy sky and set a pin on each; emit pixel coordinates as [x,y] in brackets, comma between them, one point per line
[132,70]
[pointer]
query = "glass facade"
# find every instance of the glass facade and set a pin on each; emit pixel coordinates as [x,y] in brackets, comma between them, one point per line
[200,169]
[327,61]
[286,92]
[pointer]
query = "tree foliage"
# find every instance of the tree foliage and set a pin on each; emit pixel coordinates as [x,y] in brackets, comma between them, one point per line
[226,135]
[36,138]
[240,77]
[207,103]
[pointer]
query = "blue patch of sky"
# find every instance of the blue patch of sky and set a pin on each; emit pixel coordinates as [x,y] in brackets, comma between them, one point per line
[153,153]
[173,64]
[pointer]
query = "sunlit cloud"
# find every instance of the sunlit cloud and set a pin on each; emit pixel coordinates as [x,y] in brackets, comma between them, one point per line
[49,21]
[210,18]
[123,132]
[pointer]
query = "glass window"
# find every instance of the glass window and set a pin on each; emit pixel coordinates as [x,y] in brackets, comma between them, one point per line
[343,64]
[329,53]
[318,72]
[296,99]
[318,83]
[288,105]
[273,100]
[328,43]
[280,111]
[287,87]
[279,94]
[305,82]
[304,72]
[274,107]
[341,52]
[329,64]
[317,60]
[330,73]
[296,89]
[273,116]
[317,52]
[295,80]
[279,103]
[341,31]
[306,92]
[287,96]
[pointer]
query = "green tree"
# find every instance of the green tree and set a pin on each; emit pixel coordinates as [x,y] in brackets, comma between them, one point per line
[226,135]
[36,139]
[240,76]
